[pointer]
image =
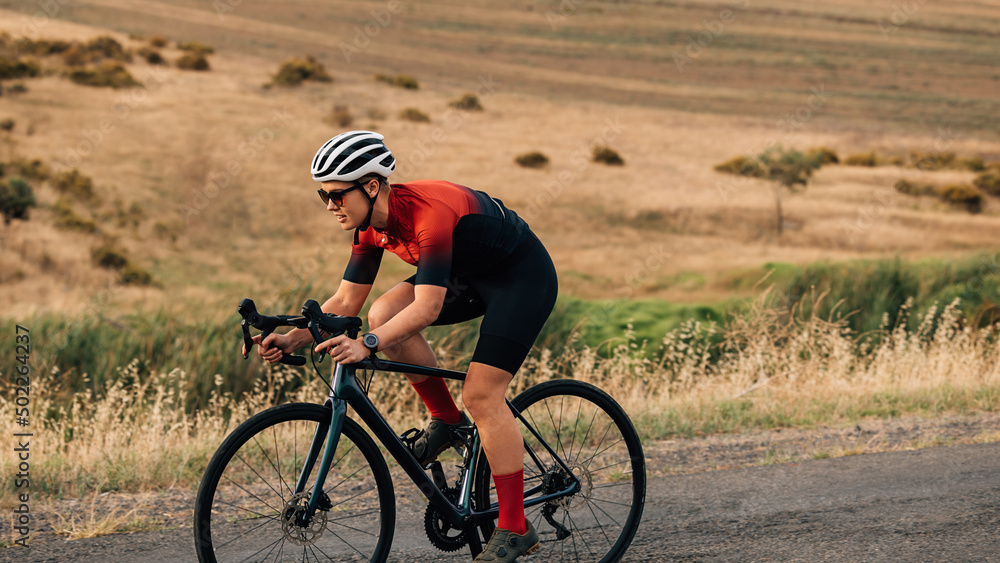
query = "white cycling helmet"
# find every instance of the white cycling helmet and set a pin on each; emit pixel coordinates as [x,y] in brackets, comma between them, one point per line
[351,155]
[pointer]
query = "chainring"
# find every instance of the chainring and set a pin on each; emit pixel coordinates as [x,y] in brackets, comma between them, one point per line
[442,534]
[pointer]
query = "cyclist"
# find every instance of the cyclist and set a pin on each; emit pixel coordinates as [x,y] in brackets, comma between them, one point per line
[474,257]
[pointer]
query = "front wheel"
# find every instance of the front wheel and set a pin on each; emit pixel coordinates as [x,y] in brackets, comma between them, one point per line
[247,509]
[596,441]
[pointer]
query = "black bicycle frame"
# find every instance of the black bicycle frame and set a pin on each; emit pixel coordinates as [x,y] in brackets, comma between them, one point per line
[345,390]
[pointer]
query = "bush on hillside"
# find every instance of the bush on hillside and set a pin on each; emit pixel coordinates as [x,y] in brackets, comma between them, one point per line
[193,61]
[158,41]
[932,160]
[152,56]
[339,116]
[111,74]
[607,155]
[862,159]
[741,166]
[962,195]
[468,102]
[400,81]
[911,188]
[74,184]
[294,72]
[16,198]
[17,68]
[532,159]
[823,155]
[415,115]
[67,219]
[989,181]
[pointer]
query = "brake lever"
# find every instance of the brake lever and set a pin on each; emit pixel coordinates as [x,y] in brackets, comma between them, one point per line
[311,310]
[247,341]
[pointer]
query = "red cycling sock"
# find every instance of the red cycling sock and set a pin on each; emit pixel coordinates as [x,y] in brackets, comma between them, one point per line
[510,497]
[438,399]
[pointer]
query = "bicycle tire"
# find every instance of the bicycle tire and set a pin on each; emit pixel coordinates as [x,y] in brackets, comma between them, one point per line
[248,484]
[582,424]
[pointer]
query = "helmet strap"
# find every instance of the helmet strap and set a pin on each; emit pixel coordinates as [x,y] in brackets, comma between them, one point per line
[368,219]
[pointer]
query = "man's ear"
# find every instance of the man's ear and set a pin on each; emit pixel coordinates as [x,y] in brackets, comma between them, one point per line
[373,189]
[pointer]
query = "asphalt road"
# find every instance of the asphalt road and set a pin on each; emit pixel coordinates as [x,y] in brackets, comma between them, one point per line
[937,504]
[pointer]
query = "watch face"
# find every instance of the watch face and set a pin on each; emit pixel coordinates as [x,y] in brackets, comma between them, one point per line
[371,341]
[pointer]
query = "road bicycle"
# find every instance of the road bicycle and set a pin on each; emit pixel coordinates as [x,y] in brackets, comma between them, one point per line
[304,482]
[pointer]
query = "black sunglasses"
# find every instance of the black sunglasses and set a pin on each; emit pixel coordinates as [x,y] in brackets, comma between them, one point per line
[337,197]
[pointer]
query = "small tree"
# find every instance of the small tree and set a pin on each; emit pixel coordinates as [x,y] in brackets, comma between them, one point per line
[16,197]
[788,170]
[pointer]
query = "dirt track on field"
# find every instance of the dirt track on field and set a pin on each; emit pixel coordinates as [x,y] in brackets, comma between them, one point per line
[753,497]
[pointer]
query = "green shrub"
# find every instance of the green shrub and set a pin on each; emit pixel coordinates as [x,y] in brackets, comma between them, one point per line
[533,159]
[468,102]
[989,181]
[862,159]
[74,184]
[932,160]
[110,74]
[193,61]
[16,198]
[823,155]
[415,115]
[962,195]
[606,155]
[741,166]
[911,188]
[7,124]
[339,116]
[294,72]
[196,47]
[18,88]
[158,41]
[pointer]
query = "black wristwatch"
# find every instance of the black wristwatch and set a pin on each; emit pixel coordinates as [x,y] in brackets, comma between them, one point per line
[370,341]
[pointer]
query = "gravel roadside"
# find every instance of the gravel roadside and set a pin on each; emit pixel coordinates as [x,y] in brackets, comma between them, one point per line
[167,514]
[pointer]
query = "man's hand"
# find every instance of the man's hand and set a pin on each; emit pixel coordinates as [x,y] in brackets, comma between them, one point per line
[344,350]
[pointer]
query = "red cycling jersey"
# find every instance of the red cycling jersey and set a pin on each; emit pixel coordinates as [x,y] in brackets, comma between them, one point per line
[441,228]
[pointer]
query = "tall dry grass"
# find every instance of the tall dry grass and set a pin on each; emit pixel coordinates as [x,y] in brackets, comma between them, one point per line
[766,369]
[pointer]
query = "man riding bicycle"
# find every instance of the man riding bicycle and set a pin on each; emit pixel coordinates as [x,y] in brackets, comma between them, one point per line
[474,257]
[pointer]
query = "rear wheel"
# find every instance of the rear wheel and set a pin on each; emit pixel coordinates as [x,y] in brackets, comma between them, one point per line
[246,509]
[595,439]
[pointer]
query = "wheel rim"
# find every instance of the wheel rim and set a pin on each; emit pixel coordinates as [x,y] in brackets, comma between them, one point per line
[598,521]
[256,517]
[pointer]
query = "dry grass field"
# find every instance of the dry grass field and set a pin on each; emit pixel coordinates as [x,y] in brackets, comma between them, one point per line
[556,78]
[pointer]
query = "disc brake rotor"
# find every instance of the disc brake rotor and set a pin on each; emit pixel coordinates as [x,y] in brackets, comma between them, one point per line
[293,523]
